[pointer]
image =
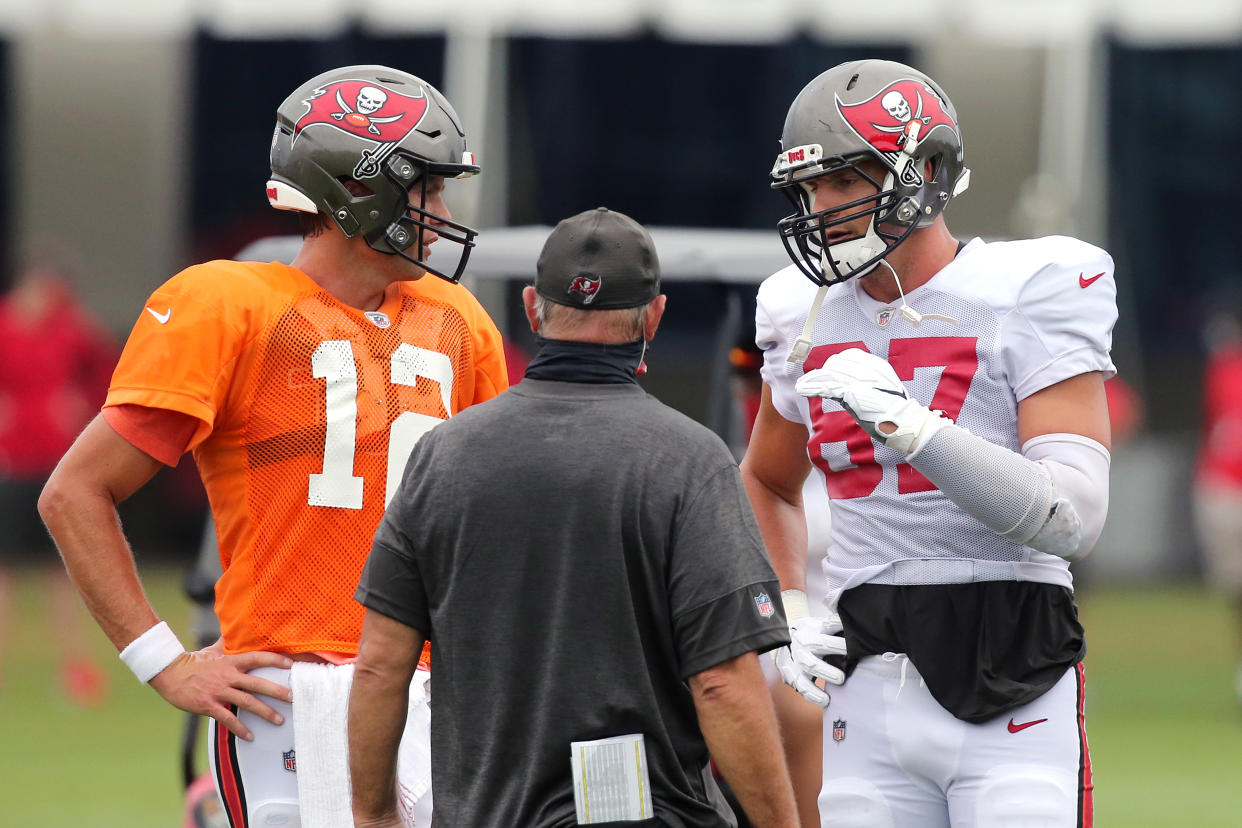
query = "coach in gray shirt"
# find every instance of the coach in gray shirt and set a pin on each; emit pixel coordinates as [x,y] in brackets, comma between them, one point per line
[587,567]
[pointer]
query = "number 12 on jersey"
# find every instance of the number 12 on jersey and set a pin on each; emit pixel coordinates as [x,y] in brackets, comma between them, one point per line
[956,355]
[333,361]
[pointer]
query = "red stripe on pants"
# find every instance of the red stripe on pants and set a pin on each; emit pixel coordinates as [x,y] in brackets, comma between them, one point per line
[228,777]
[1086,809]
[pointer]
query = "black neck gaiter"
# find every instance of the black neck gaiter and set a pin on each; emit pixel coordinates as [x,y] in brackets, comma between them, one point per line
[565,361]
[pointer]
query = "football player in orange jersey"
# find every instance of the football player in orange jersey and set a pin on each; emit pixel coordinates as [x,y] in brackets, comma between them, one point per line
[301,390]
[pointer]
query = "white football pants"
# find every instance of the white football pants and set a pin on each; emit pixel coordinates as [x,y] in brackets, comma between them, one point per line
[894,758]
[257,781]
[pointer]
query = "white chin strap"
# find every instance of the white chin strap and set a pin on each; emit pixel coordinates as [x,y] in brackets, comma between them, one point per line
[801,348]
[908,313]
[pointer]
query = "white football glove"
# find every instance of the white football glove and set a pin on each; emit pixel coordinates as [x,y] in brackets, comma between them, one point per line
[812,638]
[868,388]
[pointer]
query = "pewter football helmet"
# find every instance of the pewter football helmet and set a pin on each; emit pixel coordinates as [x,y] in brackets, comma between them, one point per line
[390,132]
[869,109]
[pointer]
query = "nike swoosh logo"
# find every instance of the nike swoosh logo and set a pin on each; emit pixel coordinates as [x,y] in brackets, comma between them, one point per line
[891,391]
[162,318]
[1085,282]
[1014,728]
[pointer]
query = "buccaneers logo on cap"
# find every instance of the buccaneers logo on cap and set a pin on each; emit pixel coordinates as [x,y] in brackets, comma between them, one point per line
[884,119]
[586,286]
[365,110]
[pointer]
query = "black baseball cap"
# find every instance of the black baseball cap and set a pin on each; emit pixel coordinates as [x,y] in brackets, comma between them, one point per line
[598,260]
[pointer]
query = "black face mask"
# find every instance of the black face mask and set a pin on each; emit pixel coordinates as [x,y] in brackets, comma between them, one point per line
[567,361]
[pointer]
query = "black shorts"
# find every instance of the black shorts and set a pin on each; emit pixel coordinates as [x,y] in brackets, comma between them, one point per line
[23,537]
[983,649]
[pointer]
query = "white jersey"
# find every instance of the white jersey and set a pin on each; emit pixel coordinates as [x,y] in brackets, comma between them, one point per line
[1025,315]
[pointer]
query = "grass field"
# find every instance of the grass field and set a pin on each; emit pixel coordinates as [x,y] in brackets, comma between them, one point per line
[1164,725]
[1166,732]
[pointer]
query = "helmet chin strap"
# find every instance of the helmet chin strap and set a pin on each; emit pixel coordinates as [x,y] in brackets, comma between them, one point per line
[802,345]
[852,253]
[908,313]
[801,348]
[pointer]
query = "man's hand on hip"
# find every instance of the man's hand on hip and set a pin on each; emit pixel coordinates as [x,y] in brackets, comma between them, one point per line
[210,682]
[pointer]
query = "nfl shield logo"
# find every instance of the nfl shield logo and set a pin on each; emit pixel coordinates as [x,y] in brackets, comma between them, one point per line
[838,730]
[764,604]
[884,315]
[291,763]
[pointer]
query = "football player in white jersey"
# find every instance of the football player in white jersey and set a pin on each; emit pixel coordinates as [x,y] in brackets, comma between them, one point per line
[950,396]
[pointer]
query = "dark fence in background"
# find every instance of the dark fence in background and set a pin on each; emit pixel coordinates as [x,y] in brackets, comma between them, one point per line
[672,133]
[1175,176]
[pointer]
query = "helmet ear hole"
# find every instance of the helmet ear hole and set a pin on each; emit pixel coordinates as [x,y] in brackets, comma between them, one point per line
[355,187]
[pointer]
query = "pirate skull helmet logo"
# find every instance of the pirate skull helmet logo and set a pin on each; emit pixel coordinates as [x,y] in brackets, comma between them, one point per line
[368,101]
[371,99]
[896,105]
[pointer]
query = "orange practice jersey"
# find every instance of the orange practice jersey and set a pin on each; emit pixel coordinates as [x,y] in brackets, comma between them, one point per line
[308,410]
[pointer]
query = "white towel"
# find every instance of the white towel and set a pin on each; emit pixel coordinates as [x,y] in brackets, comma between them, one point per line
[320,721]
[320,713]
[414,756]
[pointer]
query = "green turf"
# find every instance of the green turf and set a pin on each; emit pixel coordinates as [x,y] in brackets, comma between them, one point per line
[1166,732]
[1164,725]
[66,766]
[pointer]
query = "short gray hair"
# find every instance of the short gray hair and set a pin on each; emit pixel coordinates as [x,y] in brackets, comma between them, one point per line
[556,320]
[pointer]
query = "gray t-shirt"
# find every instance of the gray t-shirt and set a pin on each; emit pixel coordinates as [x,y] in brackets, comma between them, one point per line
[574,552]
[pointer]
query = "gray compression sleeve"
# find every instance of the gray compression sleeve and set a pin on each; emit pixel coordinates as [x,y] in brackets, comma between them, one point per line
[1007,493]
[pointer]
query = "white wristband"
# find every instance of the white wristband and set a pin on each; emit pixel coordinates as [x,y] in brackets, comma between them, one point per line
[152,651]
[796,607]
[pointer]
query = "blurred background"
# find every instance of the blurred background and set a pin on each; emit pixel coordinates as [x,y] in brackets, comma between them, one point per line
[135,136]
